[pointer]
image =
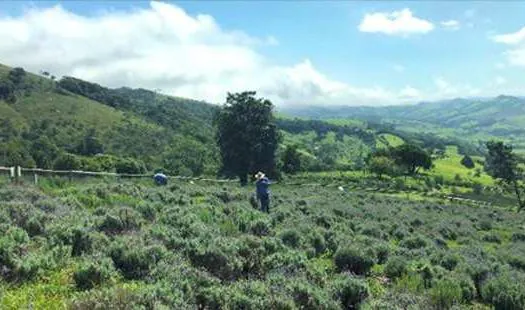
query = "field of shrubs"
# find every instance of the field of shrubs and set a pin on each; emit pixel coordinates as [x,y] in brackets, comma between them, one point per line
[130,245]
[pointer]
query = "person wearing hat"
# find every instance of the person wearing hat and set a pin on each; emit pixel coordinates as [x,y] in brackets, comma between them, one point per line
[262,191]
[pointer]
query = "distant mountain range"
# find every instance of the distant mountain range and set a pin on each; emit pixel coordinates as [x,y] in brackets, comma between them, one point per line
[502,116]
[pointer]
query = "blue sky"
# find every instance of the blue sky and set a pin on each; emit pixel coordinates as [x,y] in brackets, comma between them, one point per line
[294,52]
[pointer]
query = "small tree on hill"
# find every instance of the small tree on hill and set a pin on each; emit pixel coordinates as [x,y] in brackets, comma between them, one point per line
[16,75]
[381,165]
[247,136]
[291,160]
[502,164]
[90,144]
[412,158]
[468,162]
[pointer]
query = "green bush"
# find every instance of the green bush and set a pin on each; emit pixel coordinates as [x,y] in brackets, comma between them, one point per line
[396,268]
[290,237]
[318,242]
[260,228]
[127,219]
[351,292]
[216,262]
[93,273]
[382,251]
[492,238]
[129,166]
[416,242]
[35,226]
[81,242]
[133,296]
[485,225]
[518,236]
[505,292]
[135,260]
[67,162]
[354,260]
[372,231]
[467,162]
[468,289]
[307,296]
[450,261]
[446,293]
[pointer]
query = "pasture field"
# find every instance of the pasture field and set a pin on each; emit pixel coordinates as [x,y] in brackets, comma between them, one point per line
[130,245]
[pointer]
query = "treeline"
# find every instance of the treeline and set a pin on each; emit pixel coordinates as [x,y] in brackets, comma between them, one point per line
[322,128]
[35,147]
[185,116]
[430,141]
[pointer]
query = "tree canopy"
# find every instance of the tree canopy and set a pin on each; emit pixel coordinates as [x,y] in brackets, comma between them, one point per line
[246,135]
[412,157]
[501,163]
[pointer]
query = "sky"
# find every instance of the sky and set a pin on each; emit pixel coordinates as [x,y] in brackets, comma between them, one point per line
[291,52]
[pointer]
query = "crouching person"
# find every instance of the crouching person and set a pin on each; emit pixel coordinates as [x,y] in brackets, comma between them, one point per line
[160,179]
[262,191]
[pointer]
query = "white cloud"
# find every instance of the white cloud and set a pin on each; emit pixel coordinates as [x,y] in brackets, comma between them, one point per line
[163,47]
[398,68]
[516,55]
[410,93]
[444,87]
[402,23]
[451,25]
[511,38]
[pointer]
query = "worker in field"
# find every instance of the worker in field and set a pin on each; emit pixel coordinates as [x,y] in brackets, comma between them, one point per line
[263,193]
[160,178]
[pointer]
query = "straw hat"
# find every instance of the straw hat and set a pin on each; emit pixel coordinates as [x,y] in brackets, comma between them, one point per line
[259,175]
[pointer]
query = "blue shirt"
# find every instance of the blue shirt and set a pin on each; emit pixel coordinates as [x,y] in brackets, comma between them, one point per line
[160,178]
[262,187]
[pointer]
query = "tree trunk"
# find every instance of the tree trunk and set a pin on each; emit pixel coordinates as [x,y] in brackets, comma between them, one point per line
[243,179]
[517,190]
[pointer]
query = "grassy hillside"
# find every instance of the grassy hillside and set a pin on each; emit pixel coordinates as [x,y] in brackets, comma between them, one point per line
[157,130]
[53,118]
[189,246]
[469,119]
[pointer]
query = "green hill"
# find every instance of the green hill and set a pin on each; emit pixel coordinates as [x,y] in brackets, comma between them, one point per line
[159,131]
[43,120]
[472,119]
[68,124]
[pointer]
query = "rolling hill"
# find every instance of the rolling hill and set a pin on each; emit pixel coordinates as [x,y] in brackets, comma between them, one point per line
[43,120]
[473,119]
[158,130]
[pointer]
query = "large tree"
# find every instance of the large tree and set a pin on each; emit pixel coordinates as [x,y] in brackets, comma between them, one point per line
[412,157]
[502,164]
[247,136]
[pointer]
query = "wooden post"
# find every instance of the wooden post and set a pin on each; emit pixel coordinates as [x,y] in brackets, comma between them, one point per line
[12,174]
[18,175]
[36,178]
